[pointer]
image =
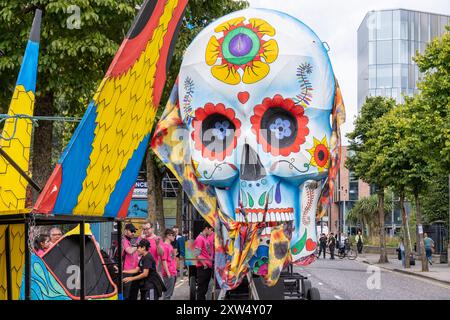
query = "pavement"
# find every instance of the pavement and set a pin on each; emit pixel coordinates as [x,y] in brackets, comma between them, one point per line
[437,271]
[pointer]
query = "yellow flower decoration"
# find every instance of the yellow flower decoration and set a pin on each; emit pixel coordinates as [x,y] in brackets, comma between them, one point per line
[242,48]
[320,154]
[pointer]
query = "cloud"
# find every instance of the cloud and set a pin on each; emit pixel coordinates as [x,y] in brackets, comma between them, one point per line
[337,22]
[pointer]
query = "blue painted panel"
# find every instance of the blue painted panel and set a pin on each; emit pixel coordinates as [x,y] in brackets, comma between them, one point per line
[28,70]
[75,163]
[127,180]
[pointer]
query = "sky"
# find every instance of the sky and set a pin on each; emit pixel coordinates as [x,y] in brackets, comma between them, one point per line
[336,22]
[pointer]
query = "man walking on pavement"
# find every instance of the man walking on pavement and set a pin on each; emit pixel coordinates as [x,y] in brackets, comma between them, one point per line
[359,241]
[322,245]
[429,247]
[203,252]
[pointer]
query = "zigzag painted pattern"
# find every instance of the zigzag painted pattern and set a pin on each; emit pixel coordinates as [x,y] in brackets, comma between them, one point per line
[125,114]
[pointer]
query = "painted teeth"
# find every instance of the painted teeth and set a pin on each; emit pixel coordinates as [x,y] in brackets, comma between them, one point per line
[269,217]
[266,231]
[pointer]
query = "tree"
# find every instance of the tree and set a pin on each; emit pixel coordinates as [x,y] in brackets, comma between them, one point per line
[400,162]
[435,199]
[199,13]
[363,155]
[74,56]
[432,108]
[365,211]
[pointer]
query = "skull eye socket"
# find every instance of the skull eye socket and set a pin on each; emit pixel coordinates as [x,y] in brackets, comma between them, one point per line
[216,131]
[279,125]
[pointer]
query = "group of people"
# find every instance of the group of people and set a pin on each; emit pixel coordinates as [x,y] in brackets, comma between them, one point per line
[44,241]
[151,263]
[331,242]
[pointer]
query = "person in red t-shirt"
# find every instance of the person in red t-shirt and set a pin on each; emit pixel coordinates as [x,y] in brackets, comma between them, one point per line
[203,251]
[156,250]
[169,264]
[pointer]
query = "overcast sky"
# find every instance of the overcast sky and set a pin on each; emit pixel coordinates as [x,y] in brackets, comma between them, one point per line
[336,22]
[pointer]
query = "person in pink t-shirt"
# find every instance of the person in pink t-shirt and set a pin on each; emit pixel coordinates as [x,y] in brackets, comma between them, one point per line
[169,264]
[41,244]
[204,253]
[130,261]
[156,250]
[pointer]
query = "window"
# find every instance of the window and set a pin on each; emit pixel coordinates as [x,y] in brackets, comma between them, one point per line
[400,76]
[434,26]
[401,53]
[372,77]
[372,52]
[384,25]
[424,24]
[384,52]
[400,24]
[384,76]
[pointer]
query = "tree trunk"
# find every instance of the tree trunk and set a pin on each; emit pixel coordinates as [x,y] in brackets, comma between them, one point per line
[419,227]
[161,223]
[154,193]
[42,143]
[383,254]
[406,241]
[151,186]
[180,207]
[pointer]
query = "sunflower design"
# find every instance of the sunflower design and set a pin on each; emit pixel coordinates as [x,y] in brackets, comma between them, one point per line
[320,154]
[242,48]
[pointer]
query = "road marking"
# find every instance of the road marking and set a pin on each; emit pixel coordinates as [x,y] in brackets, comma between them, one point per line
[337,297]
[309,274]
[320,284]
[181,282]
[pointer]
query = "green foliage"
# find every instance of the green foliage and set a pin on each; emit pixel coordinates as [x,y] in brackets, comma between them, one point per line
[432,106]
[362,153]
[365,211]
[435,200]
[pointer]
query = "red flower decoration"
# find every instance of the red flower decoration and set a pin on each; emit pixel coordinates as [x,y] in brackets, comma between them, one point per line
[158,137]
[202,114]
[297,127]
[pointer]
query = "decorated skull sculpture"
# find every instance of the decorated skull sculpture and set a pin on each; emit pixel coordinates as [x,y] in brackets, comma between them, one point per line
[256,92]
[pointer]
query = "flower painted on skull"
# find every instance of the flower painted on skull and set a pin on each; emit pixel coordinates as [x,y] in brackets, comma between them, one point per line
[242,47]
[281,128]
[320,154]
[279,125]
[216,131]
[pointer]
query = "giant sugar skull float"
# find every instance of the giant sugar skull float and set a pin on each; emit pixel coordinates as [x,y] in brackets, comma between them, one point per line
[260,111]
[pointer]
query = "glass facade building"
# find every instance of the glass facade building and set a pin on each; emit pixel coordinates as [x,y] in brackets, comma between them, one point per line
[387,41]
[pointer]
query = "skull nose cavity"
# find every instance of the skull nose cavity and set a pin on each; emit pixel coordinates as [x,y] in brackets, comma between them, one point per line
[251,167]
